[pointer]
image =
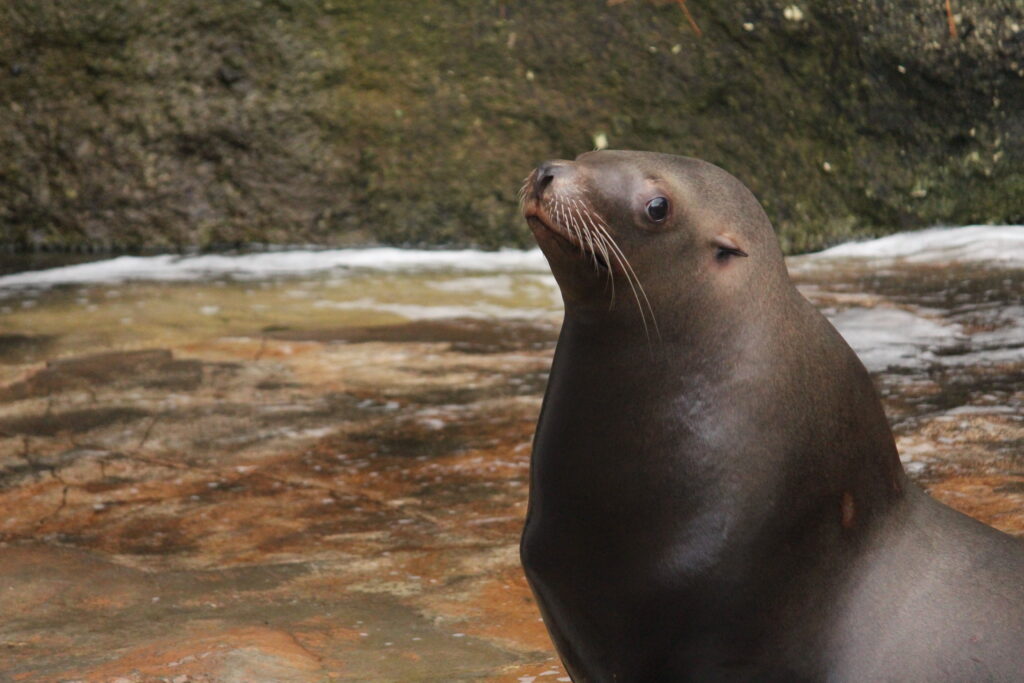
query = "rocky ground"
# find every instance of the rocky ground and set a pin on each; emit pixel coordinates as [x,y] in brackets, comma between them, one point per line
[272,509]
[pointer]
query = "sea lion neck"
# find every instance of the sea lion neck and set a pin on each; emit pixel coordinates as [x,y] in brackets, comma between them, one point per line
[692,315]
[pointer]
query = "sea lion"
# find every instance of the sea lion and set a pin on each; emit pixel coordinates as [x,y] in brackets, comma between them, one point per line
[715,491]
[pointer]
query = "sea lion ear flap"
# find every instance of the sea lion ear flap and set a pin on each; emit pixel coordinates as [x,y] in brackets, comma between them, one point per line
[726,245]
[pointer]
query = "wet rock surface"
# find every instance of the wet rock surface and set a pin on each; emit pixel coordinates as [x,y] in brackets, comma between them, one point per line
[309,494]
[296,517]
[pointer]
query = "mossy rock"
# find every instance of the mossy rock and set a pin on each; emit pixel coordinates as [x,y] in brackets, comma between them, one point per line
[147,125]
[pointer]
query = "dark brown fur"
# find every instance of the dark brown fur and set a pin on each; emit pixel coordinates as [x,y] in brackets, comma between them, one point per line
[715,491]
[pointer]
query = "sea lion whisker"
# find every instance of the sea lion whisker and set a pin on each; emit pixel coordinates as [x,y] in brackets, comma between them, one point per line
[563,217]
[524,189]
[630,275]
[586,243]
[585,214]
[628,269]
[557,210]
[586,239]
[589,233]
[561,214]
[600,227]
[603,244]
[569,221]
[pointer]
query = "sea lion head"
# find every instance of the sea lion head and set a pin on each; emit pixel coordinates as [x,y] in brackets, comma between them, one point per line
[665,233]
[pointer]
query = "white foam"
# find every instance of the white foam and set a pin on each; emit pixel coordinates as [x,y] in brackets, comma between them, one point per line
[892,337]
[490,285]
[985,410]
[433,312]
[172,268]
[996,245]
[1001,245]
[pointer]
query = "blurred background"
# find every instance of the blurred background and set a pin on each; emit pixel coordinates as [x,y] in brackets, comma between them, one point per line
[140,125]
[274,338]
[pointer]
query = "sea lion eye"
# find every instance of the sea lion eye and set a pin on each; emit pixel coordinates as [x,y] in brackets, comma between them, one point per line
[724,253]
[657,209]
[726,247]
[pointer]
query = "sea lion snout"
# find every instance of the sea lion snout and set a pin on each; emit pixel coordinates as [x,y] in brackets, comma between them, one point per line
[546,173]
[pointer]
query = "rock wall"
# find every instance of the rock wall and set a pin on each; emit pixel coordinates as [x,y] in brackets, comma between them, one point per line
[163,124]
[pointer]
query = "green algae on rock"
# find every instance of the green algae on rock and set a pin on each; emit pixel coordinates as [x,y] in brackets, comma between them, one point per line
[135,124]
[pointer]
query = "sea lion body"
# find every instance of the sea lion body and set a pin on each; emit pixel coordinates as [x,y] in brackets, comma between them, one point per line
[715,490]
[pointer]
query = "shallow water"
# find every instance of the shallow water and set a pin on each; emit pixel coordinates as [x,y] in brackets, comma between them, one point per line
[228,470]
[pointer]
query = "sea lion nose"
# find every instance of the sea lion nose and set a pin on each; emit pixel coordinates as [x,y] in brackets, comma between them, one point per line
[545,175]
